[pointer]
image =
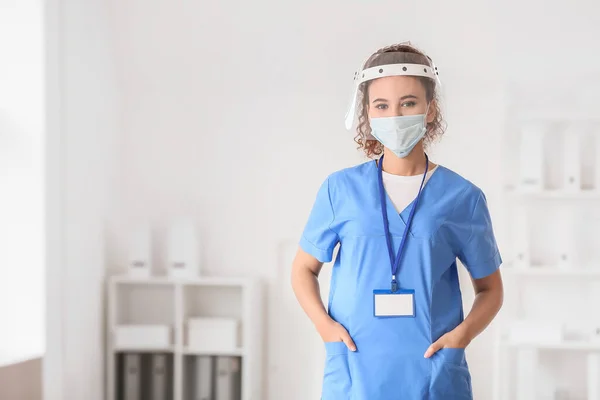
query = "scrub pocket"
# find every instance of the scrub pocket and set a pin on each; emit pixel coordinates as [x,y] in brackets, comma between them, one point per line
[451,378]
[336,378]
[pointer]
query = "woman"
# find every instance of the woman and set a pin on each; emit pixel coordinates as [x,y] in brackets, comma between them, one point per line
[394,328]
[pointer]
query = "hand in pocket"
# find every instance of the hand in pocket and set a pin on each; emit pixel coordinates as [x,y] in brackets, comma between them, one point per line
[455,339]
[333,331]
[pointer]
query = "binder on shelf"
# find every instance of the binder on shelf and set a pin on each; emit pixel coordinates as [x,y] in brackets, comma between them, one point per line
[228,379]
[159,378]
[204,378]
[521,237]
[594,298]
[572,171]
[132,377]
[567,243]
[549,389]
[527,365]
[593,376]
[183,250]
[597,163]
[531,157]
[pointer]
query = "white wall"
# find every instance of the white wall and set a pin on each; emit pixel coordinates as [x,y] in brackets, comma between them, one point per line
[82,103]
[232,112]
[21,183]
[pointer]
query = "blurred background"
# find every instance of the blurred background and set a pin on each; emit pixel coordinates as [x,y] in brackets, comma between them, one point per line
[159,160]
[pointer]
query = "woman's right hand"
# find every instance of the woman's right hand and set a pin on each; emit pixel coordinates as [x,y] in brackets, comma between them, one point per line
[332,331]
[305,283]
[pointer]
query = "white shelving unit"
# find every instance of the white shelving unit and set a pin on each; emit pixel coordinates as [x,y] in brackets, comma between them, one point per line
[552,261]
[582,195]
[552,272]
[171,302]
[566,345]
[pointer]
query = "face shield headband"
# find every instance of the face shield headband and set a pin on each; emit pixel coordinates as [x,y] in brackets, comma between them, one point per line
[390,64]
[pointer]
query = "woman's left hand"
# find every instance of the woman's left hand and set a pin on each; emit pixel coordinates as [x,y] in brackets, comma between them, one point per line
[456,338]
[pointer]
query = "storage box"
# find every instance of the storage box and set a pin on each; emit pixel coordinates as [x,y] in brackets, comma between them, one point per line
[140,253]
[584,331]
[535,331]
[134,337]
[213,334]
[594,333]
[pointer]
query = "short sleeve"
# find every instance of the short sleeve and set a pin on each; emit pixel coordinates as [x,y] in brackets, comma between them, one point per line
[477,247]
[318,239]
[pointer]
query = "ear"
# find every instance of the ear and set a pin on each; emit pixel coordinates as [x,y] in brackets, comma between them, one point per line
[432,112]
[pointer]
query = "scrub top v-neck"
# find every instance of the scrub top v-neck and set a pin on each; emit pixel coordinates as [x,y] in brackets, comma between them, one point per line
[452,222]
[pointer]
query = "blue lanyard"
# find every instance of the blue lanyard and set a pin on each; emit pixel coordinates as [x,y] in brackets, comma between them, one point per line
[395,263]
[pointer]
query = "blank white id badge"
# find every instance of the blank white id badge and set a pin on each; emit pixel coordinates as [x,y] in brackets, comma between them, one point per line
[388,304]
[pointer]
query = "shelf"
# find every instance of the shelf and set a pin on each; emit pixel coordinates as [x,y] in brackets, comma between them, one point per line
[162,300]
[585,346]
[171,349]
[208,281]
[191,352]
[543,117]
[132,280]
[556,194]
[143,349]
[553,272]
[165,280]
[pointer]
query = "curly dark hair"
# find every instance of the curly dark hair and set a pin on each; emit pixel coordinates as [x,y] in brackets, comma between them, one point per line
[435,129]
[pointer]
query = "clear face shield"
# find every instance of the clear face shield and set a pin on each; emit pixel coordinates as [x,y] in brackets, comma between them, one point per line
[389,64]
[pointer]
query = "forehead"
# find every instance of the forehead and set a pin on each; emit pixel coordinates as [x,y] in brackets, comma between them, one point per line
[396,86]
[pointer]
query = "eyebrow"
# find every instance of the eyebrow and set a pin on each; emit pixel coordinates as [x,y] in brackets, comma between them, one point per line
[408,96]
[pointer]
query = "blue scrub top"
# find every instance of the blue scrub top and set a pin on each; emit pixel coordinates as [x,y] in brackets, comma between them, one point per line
[451,221]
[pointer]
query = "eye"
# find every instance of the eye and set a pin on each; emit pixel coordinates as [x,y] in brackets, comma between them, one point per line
[409,104]
[381,106]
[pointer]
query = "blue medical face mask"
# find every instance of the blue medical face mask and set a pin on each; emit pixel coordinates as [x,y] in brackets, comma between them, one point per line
[400,134]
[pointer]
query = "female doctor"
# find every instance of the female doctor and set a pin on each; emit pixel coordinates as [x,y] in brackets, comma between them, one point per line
[394,327]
